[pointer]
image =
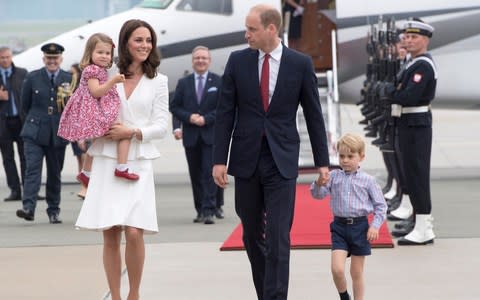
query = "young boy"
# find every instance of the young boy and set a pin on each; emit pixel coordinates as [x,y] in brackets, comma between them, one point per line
[354,195]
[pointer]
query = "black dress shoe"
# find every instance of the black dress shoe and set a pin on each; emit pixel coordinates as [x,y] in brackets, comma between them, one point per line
[25,214]
[219,213]
[199,219]
[14,196]
[54,219]
[208,220]
[39,197]
[405,242]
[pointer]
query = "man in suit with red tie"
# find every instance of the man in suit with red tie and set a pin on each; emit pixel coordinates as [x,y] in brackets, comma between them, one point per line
[194,104]
[262,87]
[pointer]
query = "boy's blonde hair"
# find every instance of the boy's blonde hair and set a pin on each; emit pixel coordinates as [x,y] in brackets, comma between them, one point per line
[352,143]
[90,47]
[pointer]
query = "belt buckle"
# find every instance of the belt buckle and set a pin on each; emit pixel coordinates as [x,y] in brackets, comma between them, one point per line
[396,110]
[349,221]
[50,110]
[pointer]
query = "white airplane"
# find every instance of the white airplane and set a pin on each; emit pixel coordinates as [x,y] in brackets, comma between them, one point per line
[219,24]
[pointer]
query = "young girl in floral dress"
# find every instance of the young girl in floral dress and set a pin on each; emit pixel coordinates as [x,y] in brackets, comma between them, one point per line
[94,106]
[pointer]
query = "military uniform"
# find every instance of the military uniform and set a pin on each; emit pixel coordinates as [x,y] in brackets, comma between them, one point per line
[39,99]
[413,96]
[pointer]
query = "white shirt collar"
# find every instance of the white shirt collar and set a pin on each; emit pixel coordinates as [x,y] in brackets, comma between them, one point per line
[276,54]
[205,75]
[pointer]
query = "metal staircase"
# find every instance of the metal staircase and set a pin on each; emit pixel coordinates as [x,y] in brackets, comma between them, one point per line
[328,94]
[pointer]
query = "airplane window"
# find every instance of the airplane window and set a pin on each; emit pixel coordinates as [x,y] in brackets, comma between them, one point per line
[223,7]
[161,4]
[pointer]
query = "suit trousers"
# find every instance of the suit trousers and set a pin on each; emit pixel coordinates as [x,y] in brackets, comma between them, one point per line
[265,204]
[416,148]
[13,127]
[54,157]
[200,163]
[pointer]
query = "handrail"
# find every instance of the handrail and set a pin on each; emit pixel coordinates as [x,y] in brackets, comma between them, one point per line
[334,66]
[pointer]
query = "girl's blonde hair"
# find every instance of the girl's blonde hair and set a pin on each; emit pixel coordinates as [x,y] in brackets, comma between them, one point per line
[352,143]
[90,47]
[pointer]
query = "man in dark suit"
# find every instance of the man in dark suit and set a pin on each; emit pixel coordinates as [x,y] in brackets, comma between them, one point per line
[261,89]
[220,201]
[39,100]
[194,105]
[11,122]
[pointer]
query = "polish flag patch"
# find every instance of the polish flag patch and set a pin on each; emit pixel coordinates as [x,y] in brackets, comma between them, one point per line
[417,78]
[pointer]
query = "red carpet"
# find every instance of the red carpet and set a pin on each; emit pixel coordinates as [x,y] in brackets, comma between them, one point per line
[311,226]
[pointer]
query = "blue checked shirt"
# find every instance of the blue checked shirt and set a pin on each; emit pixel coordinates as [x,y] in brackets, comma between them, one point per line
[353,195]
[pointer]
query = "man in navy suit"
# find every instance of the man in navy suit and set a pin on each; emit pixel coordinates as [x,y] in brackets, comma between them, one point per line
[39,133]
[194,105]
[11,122]
[257,114]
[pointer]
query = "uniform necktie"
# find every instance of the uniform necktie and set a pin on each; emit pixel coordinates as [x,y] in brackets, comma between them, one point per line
[264,81]
[52,79]
[199,88]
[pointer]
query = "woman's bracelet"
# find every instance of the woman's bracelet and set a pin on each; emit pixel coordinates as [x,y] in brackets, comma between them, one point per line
[134,133]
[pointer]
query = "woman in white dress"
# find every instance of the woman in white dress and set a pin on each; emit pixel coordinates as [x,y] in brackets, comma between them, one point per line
[113,205]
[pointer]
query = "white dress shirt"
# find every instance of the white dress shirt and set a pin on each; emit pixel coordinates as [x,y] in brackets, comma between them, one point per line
[274,64]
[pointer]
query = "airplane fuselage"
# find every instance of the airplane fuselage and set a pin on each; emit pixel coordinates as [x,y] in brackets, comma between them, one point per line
[180,29]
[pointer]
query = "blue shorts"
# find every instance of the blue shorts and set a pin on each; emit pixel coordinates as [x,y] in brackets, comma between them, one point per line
[350,237]
[76,149]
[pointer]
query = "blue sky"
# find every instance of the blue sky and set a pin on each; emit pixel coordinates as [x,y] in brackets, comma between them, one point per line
[42,10]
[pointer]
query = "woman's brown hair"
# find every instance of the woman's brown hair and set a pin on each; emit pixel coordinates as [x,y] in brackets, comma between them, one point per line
[149,66]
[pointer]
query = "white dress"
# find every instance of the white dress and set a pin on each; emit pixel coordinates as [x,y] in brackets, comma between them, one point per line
[112,201]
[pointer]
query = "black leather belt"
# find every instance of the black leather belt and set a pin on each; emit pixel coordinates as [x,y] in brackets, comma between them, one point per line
[350,221]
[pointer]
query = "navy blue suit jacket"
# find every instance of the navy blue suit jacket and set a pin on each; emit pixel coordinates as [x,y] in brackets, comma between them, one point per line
[241,101]
[184,104]
[15,86]
[40,126]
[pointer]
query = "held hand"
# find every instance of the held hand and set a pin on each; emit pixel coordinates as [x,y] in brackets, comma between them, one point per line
[177,134]
[323,176]
[200,121]
[193,118]
[220,176]
[118,131]
[372,234]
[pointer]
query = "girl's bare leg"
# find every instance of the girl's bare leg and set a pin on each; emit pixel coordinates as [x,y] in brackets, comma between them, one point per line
[112,261]
[122,151]
[134,259]
[87,163]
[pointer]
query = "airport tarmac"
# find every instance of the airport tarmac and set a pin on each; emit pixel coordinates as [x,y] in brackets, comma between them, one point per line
[183,261]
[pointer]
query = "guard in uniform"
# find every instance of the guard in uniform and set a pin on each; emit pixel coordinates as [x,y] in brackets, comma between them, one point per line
[39,99]
[412,98]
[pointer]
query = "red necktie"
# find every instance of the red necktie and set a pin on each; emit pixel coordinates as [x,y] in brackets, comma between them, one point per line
[264,81]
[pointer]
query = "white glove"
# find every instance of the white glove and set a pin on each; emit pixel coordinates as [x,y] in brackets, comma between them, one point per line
[298,11]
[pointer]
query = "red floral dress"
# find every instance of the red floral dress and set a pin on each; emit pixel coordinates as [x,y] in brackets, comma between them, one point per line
[87,117]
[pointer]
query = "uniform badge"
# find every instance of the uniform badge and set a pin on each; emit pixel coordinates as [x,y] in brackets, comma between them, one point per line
[417,78]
